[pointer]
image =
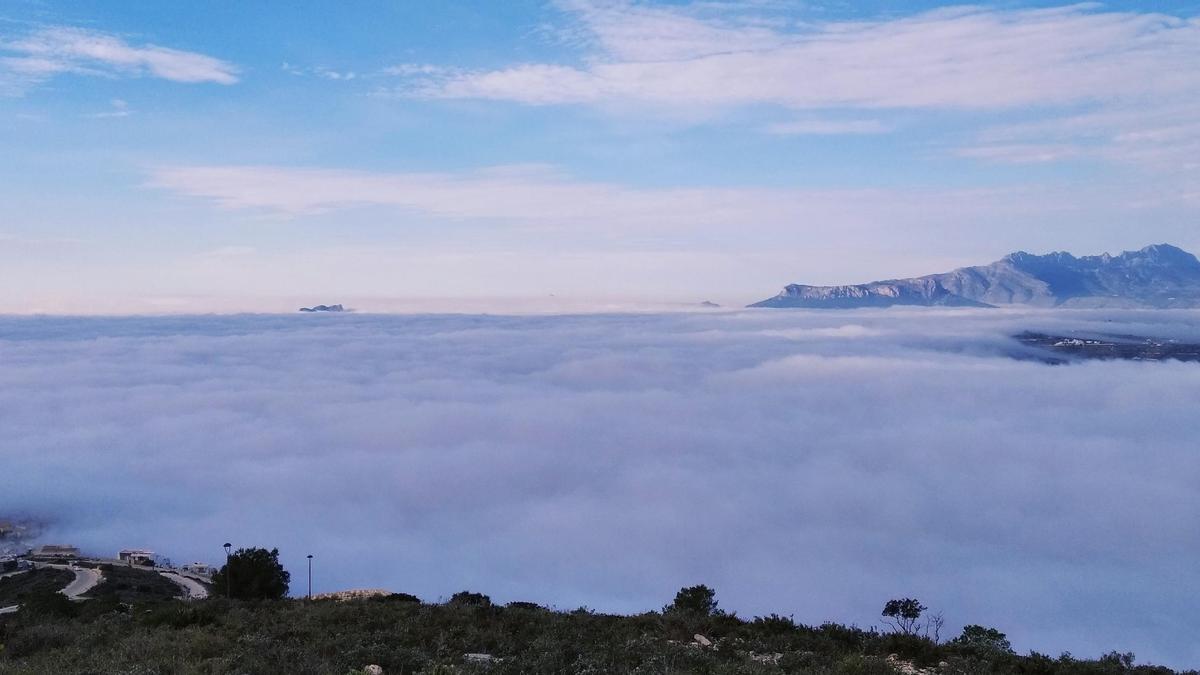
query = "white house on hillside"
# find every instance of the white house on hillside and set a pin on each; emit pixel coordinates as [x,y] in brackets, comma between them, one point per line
[137,556]
[58,551]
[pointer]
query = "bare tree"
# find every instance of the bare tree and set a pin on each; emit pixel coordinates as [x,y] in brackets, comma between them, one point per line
[933,627]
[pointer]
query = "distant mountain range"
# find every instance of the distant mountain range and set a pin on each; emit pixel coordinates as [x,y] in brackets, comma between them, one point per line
[1159,276]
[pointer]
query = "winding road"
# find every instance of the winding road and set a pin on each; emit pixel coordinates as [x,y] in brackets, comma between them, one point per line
[192,589]
[85,580]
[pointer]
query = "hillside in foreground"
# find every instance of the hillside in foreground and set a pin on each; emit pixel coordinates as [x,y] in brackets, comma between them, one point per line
[468,634]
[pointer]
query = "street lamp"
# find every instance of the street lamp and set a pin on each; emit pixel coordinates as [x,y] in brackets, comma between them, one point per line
[228,573]
[310,576]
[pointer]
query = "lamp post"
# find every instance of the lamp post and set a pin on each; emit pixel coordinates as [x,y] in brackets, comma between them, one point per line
[228,573]
[310,576]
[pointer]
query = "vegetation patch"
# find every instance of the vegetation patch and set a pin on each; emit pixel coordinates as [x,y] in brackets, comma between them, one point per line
[14,589]
[471,634]
[134,584]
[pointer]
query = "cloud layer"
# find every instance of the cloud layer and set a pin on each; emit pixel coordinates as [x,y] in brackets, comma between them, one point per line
[55,50]
[1101,84]
[540,196]
[957,57]
[805,463]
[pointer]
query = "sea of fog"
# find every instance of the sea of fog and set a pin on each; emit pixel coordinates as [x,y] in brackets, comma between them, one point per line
[804,463]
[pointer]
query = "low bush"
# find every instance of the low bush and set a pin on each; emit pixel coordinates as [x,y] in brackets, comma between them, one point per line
[469,599]
[532,606]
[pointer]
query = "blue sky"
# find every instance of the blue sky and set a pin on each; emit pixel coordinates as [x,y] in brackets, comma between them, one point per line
[176,157]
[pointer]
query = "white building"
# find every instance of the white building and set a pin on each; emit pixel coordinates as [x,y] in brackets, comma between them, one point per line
[57,551]
[198,568]
[137,556]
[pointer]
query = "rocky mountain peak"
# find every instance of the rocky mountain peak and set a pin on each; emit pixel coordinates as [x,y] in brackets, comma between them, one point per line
[1160,275]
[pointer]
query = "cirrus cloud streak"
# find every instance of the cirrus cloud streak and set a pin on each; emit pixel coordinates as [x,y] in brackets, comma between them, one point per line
[55,50]
[957,57]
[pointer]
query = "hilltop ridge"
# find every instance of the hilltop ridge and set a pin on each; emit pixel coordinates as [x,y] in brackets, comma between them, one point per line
[1157,276]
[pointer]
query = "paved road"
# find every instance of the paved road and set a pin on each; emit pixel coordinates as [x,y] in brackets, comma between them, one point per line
[192,589]
[85,580]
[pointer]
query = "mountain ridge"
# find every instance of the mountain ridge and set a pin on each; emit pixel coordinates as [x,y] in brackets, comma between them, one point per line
[1157,276]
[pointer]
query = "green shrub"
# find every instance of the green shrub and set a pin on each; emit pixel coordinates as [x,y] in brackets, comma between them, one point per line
[38,638]
[805,662]
[177,614]
[531,606]
[253,574]
[980,639]
[469,599]
[919,650]
[44,603]
[960,665]
[695,600]
[857,664]
[773,625]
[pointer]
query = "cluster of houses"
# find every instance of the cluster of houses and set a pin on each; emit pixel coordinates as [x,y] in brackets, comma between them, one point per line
[15,555]
[49,553]
[10,563]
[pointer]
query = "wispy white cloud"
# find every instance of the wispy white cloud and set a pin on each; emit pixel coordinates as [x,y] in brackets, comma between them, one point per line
[229,252]
[119,108]
[828,127]
[966,57]
[50,51]
[537,228]
[1021,153]
[541,196]
[319,71]
[701,59]
[633,31]
[409,69]
[19,240]
[1164,136]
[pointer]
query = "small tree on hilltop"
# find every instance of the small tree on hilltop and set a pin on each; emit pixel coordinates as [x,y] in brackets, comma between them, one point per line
[978,638]
[903,614]
[695,600]
[253,574]
[469,599]
[1121,661]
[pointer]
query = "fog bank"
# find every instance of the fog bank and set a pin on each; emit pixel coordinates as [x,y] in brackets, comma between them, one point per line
[805,463]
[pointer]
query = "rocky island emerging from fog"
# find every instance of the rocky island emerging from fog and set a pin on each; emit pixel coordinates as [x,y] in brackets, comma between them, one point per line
[1158,277]
[323,308]
[1061,349]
